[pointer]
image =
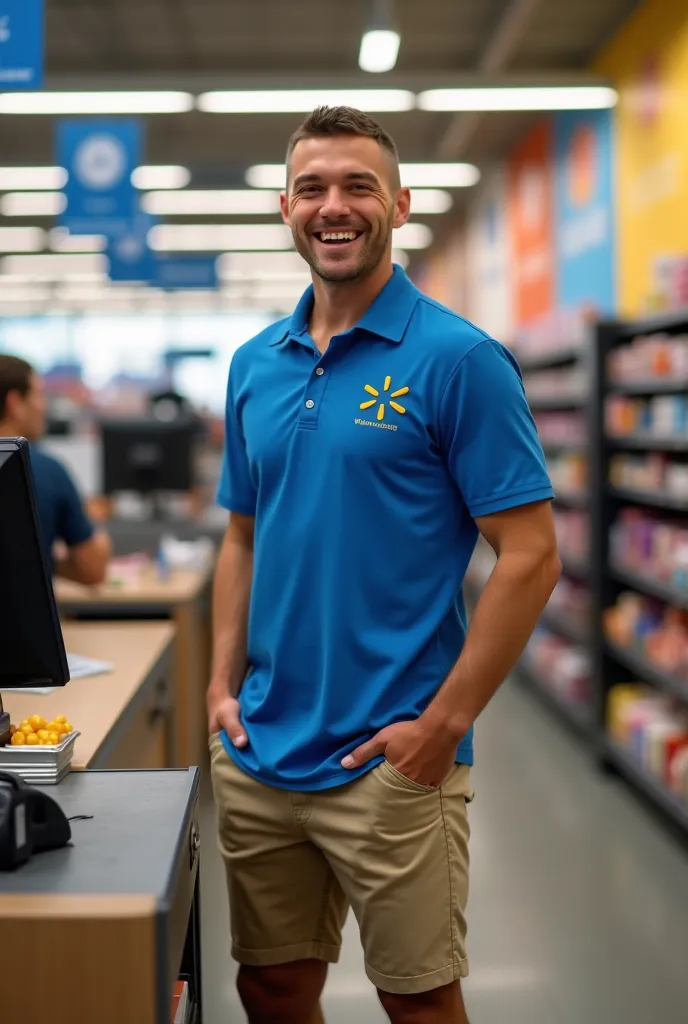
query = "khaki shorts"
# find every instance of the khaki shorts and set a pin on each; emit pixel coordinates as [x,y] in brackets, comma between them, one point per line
[393,850]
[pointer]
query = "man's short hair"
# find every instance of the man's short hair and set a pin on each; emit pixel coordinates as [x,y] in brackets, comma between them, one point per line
[15,375]
[344,121]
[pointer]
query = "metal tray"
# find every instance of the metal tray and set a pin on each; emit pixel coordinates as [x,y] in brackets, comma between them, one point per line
[39,764]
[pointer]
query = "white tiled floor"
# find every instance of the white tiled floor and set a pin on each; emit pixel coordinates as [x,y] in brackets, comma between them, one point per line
[579,905]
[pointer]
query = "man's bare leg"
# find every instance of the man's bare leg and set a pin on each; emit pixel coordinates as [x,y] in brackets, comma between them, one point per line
[440,1006]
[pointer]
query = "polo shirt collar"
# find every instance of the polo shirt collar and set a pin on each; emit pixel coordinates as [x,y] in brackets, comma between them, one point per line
[388,316]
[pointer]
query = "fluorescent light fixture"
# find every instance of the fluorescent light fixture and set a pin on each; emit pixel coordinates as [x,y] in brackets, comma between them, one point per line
[211,203]
[219,237]
[20,295]
[22,239]
[301,101]
[163,176]
[379,50]
[32,204]
[413,236]
[148,102]
[32,178]
[430,200]
[54,266]
[412,175]
[61,241]
[12,280]
[548,97]
[257,264]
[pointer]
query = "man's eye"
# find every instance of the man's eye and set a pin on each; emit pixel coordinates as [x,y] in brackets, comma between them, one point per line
[310,190]
[361,188]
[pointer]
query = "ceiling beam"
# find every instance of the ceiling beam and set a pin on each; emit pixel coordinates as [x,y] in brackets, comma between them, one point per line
[500,49]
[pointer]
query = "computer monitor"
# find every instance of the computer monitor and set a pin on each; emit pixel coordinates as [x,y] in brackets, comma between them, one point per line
[32,650]
[148,455]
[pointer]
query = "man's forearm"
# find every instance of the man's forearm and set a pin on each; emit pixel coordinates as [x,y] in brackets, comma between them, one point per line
[231,597]
[504,618]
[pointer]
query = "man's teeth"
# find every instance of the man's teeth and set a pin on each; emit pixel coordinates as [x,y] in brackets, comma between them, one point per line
[337,236]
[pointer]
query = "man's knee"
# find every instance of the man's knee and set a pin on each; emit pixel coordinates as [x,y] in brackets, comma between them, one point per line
[288,993]
[438,1006]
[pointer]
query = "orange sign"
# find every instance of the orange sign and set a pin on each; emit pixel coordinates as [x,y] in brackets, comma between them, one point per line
[531,220]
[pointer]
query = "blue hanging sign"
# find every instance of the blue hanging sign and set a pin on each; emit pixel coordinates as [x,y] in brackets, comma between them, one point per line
[131,258]
[99,157]
[187,272]
[21,44]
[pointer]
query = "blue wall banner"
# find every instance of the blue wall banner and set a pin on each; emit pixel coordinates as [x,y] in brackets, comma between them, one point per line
[131,258]
[21,44]
[187,272]
[584,210]
[99,157]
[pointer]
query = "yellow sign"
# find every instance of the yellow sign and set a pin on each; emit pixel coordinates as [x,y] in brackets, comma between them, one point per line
[375,400]
[648,62]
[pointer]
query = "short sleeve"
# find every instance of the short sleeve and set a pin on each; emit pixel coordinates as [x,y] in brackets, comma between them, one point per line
[488,435]
[73,525]
[236,491]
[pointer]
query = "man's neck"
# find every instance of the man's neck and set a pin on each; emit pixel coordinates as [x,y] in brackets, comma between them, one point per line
[338,306]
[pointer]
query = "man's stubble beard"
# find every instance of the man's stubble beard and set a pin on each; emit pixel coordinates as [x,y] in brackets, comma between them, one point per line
[368,262]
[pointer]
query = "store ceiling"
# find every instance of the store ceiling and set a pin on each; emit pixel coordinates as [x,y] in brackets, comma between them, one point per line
[196,45]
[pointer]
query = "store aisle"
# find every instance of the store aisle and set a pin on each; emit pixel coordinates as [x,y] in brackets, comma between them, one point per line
[579,907]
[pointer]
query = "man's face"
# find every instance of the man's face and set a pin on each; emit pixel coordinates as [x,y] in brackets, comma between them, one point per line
[27,412]
[342,205]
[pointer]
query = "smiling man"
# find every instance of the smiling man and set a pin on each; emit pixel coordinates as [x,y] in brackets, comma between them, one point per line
[371,437]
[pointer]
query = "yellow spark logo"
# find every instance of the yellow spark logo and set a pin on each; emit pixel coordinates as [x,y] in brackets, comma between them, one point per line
[376,398]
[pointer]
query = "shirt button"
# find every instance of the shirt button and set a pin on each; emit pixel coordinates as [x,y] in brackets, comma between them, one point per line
[310,404]
[320,371]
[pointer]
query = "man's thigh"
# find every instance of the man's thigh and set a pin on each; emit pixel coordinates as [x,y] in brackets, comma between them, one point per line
[401,853]
[285,902]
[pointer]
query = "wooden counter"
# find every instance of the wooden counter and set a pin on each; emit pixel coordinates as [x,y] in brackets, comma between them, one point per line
[124,716]
[185,599]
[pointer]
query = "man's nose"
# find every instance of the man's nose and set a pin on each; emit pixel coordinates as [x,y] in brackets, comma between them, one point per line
[334,204]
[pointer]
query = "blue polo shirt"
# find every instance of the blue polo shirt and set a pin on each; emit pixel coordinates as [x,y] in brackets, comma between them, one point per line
[365,469]
[60,510]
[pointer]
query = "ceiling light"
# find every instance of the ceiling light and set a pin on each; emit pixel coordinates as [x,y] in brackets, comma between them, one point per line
[33,204]
[219,237]
[379,50]
[211,203]
[22,239]
[95,102]
[160,177]
[413,236]
[412,175]
[255,264]
[11,280]
[61,241]
[32,178]
[430,200]
[53,266]
[31,294]
[301,101]
[555,97]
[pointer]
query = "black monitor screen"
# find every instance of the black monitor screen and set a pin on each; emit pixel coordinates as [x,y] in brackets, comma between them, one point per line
[31,647]
[148,455]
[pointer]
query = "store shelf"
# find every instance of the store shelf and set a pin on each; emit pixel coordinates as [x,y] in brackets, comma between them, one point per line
[664,321]
[651,787]
[648,585]
[562,624]
[648,672]
[649,386]
[574,713]
[658,499]
[556,357]
[649,443]
[579,568]
[572,499]
[542,403]
[564,447]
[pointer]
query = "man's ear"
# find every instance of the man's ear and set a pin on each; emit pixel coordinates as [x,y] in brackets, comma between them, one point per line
[284,207]
[402,207]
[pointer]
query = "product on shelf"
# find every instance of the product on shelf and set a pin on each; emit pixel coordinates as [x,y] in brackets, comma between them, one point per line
[562,330]
[572,527]
[565,428]
[559,665]
[649,472]
[568,471]
[571,600]
[662,416]
[648,357]
[558,383]
[657,630]
[649,544]
[653,731]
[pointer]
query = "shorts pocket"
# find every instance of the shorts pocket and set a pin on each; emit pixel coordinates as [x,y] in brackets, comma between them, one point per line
[396,777]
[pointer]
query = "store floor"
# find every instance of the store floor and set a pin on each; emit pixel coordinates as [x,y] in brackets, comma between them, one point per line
[579,905]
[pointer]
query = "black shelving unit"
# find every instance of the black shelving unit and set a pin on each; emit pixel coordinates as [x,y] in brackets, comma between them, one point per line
[611,663]
[545,403]
[560,623]
[574,714]
[571,499]
[551,360]
[576,568]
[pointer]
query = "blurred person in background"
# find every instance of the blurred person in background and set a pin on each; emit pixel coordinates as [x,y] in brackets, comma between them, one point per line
[76,550]
[370,438]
